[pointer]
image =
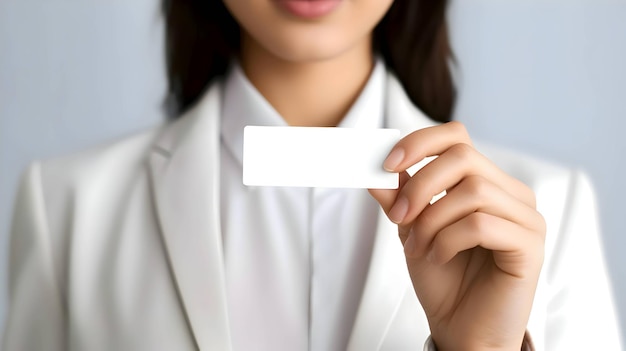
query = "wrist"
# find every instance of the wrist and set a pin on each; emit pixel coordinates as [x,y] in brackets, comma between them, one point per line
[527,345]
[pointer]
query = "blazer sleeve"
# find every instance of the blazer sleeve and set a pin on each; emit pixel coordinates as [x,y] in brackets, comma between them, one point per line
[35,318]
[581,312]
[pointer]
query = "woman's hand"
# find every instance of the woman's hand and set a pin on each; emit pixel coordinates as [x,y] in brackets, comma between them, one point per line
[475,255]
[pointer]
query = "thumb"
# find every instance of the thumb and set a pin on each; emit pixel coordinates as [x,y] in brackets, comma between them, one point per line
[387,197]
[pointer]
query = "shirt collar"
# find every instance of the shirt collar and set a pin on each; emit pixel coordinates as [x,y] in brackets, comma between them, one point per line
[243,105]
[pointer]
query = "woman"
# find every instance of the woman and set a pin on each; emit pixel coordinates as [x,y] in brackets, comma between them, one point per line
[153,242]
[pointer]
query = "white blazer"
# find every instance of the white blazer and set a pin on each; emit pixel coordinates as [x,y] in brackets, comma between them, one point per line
[119,248]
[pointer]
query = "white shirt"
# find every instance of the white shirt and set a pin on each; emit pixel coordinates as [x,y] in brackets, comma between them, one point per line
[296,259]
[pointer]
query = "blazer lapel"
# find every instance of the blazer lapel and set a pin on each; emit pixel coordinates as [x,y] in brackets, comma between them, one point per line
[384,289]
[184,166]
[388,278]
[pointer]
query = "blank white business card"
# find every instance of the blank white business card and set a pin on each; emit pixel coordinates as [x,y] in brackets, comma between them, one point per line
[318,157]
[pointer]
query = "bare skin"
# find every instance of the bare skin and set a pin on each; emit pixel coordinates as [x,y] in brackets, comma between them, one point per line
[303,85]
[475,255]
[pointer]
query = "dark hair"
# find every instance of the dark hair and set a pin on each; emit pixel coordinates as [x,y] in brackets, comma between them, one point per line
[202,36]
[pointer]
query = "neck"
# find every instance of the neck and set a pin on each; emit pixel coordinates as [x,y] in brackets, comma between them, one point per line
[315,93]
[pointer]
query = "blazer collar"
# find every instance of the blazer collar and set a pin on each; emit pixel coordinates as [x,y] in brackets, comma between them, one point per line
[184,166]
[401,112]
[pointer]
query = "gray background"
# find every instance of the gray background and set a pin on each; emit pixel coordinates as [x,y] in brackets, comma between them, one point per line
[547,77]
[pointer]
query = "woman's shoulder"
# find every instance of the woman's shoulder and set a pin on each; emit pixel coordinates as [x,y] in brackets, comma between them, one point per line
[563,193]
[54,192]
[532,170]
[114,166]
[107,160]
[556,186]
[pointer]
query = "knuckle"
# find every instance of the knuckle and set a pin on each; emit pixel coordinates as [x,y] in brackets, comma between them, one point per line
[532,198]
[457,127]
[476,186]
[542,226]
[462,151]
[478,223]
[526,194]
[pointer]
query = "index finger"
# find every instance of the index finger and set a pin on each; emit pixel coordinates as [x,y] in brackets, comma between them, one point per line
[425,142]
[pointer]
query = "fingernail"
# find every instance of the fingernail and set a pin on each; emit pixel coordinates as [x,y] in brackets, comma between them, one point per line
[394,159]
[399,210]
[409,245]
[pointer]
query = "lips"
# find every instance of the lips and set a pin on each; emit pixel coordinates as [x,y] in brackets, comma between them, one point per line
[309,9]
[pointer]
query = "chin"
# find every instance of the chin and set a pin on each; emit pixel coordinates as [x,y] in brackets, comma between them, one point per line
[299,39]
[310,48]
